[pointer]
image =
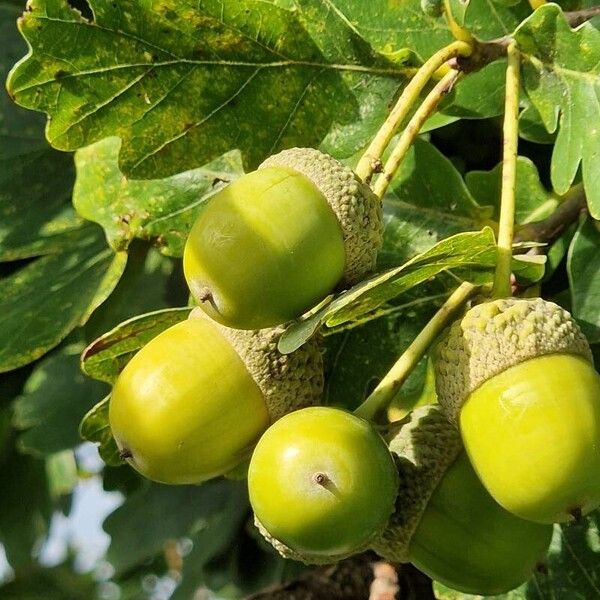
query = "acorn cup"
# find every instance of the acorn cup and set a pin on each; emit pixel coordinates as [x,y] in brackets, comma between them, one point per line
[277,241]
[446,523]
[193,402]
[322,484]
[517,377]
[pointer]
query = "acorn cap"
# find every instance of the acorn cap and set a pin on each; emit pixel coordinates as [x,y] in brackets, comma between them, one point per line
[307,559]
[497,335]
[424,450]
[357,208]
[287,381]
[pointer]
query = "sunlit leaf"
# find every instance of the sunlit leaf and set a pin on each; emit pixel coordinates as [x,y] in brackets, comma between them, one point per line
[184,82]
[44,301]
[561,75]
[162,210]
[104,358]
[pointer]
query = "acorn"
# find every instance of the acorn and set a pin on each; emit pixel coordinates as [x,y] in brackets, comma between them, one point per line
[275,242]
[193,402]
[322,484]
[445,521]
[517,377]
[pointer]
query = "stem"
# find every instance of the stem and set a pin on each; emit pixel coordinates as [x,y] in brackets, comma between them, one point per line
[412,130]
[536,3]
[387,389]
[370,159]
[458,31]
[549,229]
[509,171]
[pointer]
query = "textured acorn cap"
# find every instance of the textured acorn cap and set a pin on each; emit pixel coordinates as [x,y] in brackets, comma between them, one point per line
[309,559]
[424,450]
[497,335]
[357,208]
[287,381]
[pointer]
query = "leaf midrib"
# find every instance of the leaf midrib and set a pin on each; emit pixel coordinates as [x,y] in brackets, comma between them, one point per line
[398,72]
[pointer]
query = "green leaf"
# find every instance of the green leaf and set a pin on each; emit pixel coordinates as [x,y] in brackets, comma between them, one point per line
[150,282]
[140,527]
[427,202]
[489,19]
[337,37]
[573,563]
[533,201]
[95,428]
[218,535]
[479,95]
[467,256]
[41,582]
[357,358]
[531,126]
[161,209]
[45,300]
[583,266]
[391,26]
[105,358]
[55,398]
[561,75]
[35,181]
[25,506]
[466,252]
[61,469]
[183,82]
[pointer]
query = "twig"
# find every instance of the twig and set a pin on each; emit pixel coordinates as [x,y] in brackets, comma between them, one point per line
[370,159]
[412,130]
[577,17]
[388,387]
[550,228]
[485,53]
[509,171]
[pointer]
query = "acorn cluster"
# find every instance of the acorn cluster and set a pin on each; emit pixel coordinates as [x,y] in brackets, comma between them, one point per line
[194,401]
[467,490]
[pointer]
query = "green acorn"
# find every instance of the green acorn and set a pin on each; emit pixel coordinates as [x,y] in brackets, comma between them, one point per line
[516,376]
[193,402]
[277,241]
[446,523]
[322,485]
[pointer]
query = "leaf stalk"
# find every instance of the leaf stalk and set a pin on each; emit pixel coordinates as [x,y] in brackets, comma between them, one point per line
[377,402]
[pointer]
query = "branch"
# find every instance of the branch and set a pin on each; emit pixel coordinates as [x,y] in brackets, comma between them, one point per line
[577,17]
[364,576]
[485,53]
[550,228]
